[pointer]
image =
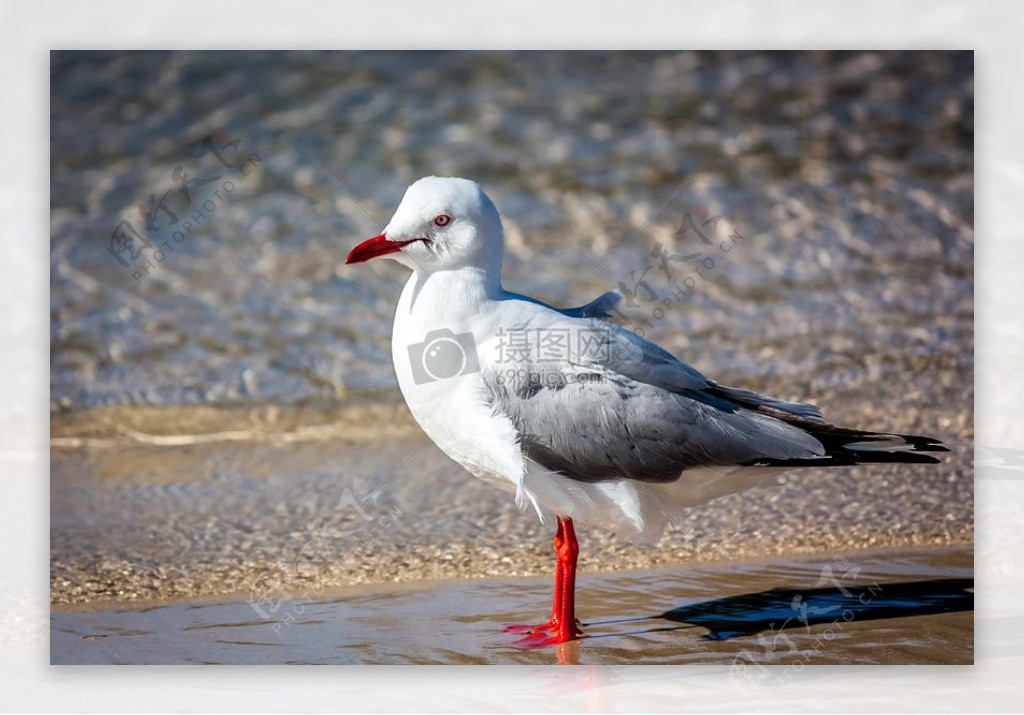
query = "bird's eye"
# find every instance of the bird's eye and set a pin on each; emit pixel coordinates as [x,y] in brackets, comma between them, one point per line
[442,220]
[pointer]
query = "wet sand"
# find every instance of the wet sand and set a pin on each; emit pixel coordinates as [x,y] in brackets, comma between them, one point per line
[884,607]
[277,501]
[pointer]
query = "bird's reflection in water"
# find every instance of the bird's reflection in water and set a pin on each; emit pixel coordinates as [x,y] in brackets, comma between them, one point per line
[568,653]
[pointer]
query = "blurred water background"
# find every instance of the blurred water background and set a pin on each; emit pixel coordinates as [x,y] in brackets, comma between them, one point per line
[849,177]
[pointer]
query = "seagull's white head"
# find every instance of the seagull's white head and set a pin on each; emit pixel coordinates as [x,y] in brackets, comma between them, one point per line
[441,224]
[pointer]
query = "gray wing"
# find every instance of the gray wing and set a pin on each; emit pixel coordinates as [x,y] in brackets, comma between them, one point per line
[604,306]
[627,408]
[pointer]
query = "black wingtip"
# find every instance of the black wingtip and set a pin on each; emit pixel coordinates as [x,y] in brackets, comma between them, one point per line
[850,458]
[921,443]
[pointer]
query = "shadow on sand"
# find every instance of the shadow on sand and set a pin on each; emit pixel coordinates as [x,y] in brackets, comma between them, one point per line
[781,608]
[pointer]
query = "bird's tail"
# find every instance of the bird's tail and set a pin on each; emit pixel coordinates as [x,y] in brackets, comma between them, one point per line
[846,447]
[843,446]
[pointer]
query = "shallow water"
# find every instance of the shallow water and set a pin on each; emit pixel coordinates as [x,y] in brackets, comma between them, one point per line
[856,608]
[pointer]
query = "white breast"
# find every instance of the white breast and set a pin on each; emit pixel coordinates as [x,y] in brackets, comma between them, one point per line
[452,409]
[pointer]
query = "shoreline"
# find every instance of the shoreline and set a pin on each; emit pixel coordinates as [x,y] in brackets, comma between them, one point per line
[329,590]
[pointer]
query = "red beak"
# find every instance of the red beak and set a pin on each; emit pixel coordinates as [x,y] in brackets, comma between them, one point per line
[376,246]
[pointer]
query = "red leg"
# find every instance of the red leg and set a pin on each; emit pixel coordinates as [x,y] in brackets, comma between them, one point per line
[563,626]
[566,628]
[556,607]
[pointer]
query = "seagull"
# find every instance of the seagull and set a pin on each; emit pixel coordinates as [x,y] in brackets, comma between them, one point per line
[575,415]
